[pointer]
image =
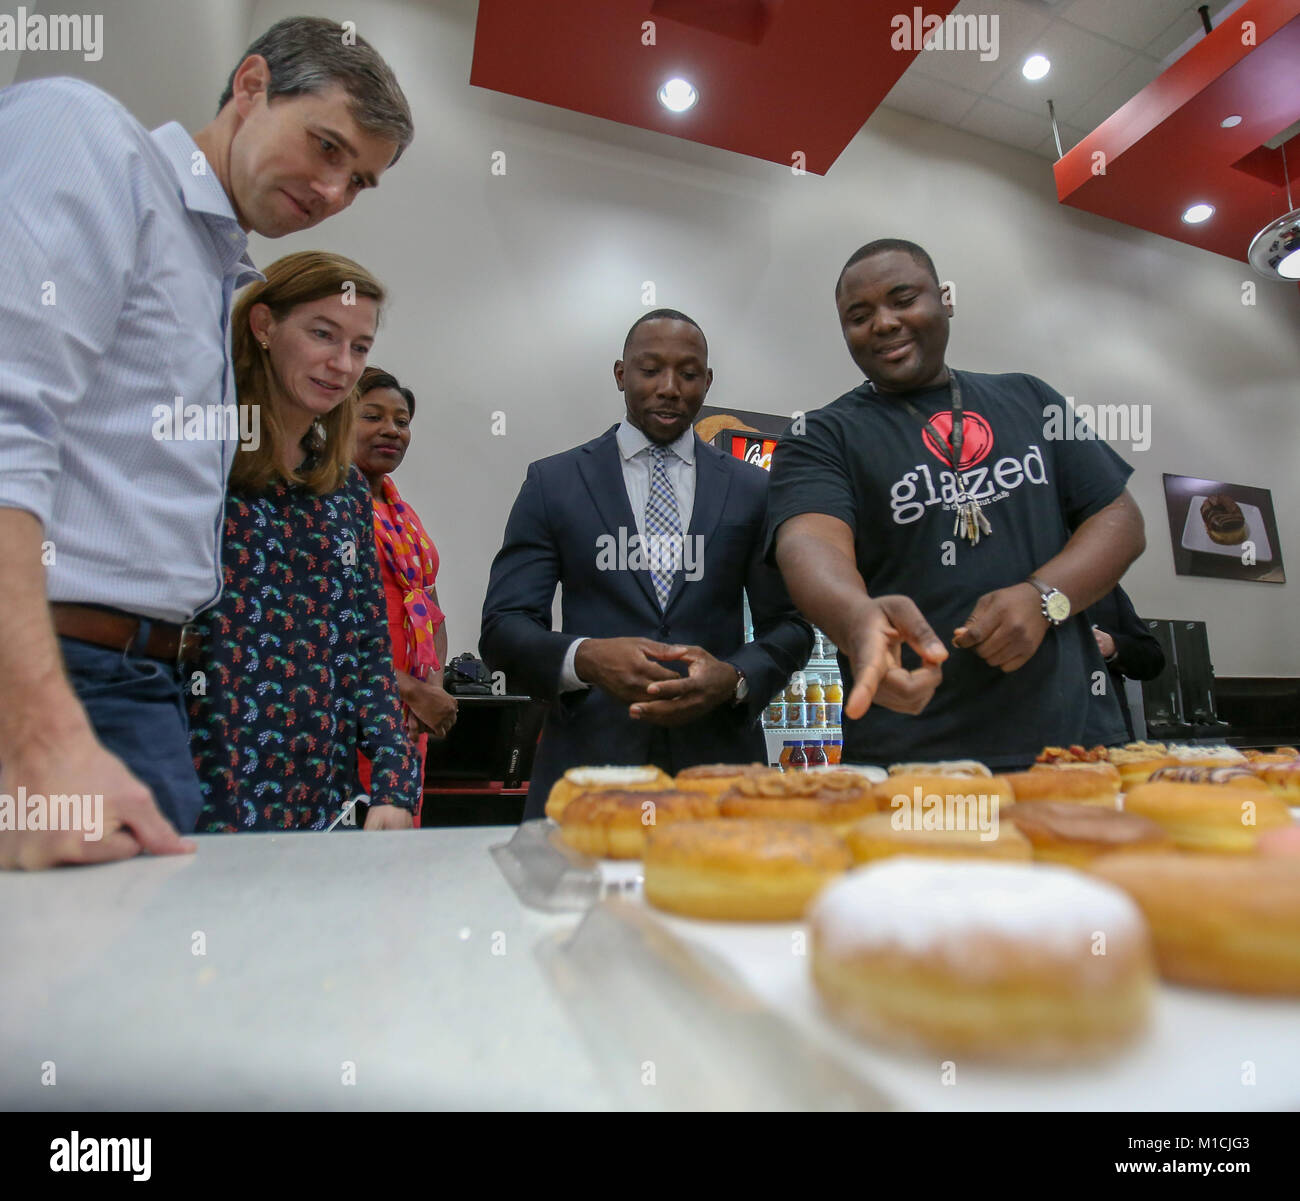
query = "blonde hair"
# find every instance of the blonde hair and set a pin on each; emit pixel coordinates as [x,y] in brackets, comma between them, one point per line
[295,279]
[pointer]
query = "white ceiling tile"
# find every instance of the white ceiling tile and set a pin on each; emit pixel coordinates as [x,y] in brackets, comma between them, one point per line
[931,98]
[1112,96]
[992,119]
[1187,27]
[1081,64]
[1132,22]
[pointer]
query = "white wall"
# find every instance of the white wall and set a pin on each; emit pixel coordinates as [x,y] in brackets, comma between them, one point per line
[513,293]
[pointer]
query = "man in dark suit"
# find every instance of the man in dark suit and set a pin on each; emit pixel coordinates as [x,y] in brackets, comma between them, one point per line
[1127,646]
[655,537]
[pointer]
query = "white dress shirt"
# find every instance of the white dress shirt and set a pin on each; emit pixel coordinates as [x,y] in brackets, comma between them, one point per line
[119,257]
[638,466]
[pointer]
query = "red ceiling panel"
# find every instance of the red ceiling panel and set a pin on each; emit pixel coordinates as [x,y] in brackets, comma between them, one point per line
[774,77]
[1165,150]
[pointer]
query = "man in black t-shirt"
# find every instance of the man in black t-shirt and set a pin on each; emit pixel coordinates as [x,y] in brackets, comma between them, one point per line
[882,543]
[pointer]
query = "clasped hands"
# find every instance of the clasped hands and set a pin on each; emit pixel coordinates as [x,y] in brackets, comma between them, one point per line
[1005,629]
[632,670]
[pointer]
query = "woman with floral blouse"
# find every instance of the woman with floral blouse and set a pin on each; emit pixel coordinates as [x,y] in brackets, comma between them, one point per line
[295,661]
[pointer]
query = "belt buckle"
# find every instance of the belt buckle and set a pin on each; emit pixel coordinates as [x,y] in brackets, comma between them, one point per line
[187,646]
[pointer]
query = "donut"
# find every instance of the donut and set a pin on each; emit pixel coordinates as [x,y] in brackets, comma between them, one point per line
[1108,771]
[1046,784]
[1075,834]
[946,767]
[602,779]
[739,870]
[1136,765]
[1228,922]
[1200,818]
[1224,521]
[1187,773]
[715,778]
[939,802]
[1054,756]
[1004,961]
[1265,759]
[884,834]
[1207,756]
[1284,780]
[835,809]
[774,783]
[613,824]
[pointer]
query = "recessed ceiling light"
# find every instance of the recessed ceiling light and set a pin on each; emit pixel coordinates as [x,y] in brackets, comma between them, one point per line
[1230,122]
[678,95]
[1198,213]
[1036,66]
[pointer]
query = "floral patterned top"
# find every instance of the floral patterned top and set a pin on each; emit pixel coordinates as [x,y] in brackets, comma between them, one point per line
[297,667]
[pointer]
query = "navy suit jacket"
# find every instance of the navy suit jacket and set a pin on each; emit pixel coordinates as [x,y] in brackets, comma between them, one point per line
[566,505]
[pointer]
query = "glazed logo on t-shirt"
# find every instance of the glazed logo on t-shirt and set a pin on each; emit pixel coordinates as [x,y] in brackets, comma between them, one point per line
[977,438]
[921,487]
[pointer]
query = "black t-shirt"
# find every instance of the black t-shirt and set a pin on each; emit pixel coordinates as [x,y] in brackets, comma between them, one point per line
[865,460]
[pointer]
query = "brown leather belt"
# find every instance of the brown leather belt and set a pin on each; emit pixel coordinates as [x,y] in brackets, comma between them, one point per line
[119,631]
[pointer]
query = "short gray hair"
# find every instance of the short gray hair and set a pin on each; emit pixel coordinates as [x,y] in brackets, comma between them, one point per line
[310,54]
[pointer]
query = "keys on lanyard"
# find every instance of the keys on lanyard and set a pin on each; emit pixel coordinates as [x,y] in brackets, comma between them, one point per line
[970,522]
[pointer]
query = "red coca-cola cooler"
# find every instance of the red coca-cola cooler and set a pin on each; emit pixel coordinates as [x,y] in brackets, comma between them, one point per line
[749,445]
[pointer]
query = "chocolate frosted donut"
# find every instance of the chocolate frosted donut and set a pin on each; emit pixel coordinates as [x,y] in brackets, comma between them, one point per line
[1223,519]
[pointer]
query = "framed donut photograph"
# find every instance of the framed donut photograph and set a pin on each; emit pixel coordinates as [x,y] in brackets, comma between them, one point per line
[1226,531]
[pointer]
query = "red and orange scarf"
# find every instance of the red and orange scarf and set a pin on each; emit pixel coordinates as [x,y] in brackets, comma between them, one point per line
[408,554]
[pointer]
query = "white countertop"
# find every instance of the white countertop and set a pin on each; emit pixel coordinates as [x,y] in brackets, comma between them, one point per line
[321,949]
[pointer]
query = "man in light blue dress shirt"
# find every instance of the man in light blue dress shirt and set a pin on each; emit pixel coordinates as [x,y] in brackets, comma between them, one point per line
[120,251]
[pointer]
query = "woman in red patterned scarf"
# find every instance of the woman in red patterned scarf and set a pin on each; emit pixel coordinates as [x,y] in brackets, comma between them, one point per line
[408,562]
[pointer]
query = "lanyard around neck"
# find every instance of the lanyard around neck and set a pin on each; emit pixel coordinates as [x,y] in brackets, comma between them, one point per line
[953,446]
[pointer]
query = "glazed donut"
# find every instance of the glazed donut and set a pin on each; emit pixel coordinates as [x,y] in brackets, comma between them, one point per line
[1076,834]
[1136,765]
[738,870]
[946,767]
[613,825]
[1200,818]
[949,796]
[1218,921]
[772,783]
[1283,780]
[1186,773]
[1047,784]
[602,779]
[715,778]
[992,960]
[883,834]
[1108,771]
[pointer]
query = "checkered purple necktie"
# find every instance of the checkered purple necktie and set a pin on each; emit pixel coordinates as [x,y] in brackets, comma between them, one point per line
[663,526]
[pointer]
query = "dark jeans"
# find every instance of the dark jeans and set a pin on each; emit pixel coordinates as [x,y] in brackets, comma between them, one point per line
[138,711]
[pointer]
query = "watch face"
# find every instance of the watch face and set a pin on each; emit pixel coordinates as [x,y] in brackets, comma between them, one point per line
[742,688]
[1058,606]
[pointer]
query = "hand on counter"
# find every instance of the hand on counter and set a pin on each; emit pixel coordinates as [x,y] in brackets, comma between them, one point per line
[708,683]
[388,817]
[1005,628]
[624,667]
[131,822]
[875,652]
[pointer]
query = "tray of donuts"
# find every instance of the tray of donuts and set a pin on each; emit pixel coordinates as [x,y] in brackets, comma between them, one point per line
[947,915]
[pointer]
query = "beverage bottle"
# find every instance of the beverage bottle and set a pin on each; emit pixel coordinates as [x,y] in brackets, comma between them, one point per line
[814,704]
[816,755]
[834,751]
[798,761]
[774,714]
[834,701]
[787,749]
[794,692]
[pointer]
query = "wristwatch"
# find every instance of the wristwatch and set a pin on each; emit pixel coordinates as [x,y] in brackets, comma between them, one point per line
[742,688]
[1056,605]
